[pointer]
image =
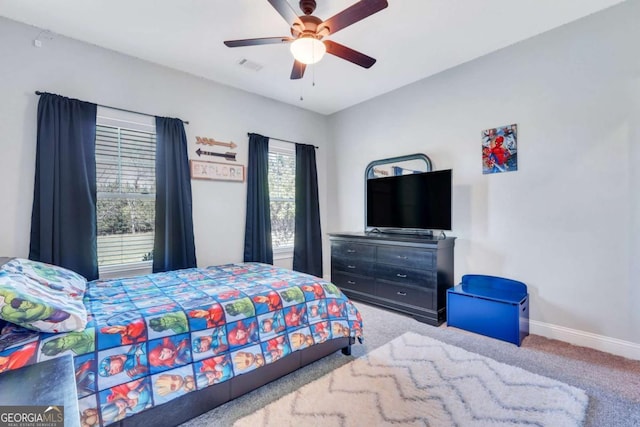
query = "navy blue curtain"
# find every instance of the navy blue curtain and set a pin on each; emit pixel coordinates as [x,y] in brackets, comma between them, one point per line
[174,246]
[257,232]
[307,244]
[63,219]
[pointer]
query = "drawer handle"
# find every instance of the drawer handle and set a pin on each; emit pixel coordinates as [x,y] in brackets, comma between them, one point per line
[402,294]
[351,282]
[402,276]
[351,251]
[403,257]
[351,266]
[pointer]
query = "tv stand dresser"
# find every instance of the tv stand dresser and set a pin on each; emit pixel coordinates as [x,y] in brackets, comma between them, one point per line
[404,272]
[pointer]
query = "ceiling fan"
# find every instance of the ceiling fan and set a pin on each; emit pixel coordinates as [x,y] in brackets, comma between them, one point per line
[308,31]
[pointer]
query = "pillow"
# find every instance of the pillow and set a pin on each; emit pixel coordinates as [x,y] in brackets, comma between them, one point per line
[42,297]
[3,323]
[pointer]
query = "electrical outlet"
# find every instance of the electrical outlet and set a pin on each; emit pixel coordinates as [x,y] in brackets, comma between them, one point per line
[37,43]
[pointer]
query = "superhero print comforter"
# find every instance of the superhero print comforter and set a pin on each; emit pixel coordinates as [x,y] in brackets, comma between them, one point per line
[150,339]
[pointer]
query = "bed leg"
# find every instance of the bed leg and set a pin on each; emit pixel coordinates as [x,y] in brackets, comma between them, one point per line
[346,350]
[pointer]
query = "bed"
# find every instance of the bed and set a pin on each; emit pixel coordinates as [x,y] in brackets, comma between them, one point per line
[163,348]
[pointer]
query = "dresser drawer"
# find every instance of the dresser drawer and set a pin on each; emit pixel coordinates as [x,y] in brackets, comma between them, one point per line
[352,251]
[353,282]
[352,265]
[407,256]
[406,276]
[406,295]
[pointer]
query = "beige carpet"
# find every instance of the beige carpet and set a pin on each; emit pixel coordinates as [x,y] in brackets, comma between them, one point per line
[416,380]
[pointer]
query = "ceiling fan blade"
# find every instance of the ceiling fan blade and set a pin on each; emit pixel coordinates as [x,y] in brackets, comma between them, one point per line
[353,14]
[298,70]
[286,11]
[256,42]
[349,54]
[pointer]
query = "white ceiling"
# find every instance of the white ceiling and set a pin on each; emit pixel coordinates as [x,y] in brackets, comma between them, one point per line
[411,39]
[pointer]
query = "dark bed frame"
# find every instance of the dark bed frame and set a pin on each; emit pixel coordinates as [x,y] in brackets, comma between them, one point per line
[198,402]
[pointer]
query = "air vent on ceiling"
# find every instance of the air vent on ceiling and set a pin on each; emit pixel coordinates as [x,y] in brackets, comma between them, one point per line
[245,63]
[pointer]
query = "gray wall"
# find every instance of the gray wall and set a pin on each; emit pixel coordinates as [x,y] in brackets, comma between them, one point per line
[566,223]
[90,73]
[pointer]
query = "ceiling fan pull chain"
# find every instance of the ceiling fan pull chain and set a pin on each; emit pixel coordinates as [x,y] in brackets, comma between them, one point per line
[313,68]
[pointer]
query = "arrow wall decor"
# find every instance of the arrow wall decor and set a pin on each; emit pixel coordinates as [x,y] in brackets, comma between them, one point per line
[227,155]
[211,141]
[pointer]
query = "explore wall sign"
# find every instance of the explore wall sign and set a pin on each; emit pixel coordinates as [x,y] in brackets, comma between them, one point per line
[216,171]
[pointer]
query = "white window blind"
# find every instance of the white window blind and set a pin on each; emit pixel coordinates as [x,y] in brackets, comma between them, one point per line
[125,178]
[282,192]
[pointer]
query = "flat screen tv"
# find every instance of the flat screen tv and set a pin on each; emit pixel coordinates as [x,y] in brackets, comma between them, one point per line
[420,201]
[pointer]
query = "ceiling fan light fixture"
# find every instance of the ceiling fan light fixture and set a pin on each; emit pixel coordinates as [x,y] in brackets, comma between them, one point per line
[308,49]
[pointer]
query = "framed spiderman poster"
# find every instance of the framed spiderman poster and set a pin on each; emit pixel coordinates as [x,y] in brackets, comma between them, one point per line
[500,149]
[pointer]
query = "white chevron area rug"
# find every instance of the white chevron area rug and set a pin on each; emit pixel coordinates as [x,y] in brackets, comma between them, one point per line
[418,381]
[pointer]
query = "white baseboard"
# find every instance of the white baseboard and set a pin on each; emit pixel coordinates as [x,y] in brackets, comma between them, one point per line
[615,346]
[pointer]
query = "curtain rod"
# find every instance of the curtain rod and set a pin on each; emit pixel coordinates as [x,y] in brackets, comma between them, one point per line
[121,109]
[283,140]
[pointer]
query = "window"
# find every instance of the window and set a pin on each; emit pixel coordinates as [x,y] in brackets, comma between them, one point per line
[282,192]
[125,175]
